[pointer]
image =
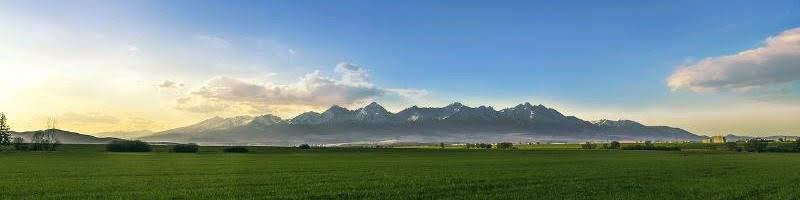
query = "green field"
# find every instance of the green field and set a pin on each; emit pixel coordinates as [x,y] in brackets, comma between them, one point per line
[87,172]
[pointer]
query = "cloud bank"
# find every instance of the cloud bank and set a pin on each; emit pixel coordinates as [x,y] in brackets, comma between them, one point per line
[777,61]
[351,85]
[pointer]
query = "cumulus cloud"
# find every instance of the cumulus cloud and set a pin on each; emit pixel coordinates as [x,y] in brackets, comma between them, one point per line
[312,89]
[351,85]
[777,61]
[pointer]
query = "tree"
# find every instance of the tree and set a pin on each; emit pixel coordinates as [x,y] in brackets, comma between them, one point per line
[756,145]
[797,145]
[186,148]
[19,144]
[588,145]
[505,145]
[305,146]
[441,145]
[235,149]
[469,146]
[613,145]
[732,146]
[5,131]
[649,145]
[46,140]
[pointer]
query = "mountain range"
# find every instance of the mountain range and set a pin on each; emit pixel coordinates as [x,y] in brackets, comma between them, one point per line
[452,123]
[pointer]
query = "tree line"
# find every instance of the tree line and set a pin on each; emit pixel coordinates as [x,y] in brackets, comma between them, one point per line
[45,140]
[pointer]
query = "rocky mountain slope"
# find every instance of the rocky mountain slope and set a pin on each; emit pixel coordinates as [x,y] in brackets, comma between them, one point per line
[452,123]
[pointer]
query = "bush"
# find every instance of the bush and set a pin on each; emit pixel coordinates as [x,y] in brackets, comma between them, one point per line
[128,146]
[588,145]
[732,146]
[650,147]
[756,145]
[484,146]
[614,145]
[43,146]
[305,146]
[235,149]
[797,145]
[19,144]
[505,145]
[185,148]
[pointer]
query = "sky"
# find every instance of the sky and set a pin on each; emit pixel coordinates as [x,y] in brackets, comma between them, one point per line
[711,67]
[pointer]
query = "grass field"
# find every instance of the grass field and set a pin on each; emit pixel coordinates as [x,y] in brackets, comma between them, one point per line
[87,172]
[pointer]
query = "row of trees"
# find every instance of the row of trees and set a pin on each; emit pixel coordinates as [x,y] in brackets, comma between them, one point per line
[502,145]
[647,145]
[40,141]
[763,145]
[610,145]
[478,145]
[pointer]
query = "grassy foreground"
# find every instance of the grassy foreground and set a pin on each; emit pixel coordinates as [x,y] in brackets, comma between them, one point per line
[87,172]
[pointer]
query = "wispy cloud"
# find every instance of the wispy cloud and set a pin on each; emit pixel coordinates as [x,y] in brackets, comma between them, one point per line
[213,41]
[87,118]
[167,84]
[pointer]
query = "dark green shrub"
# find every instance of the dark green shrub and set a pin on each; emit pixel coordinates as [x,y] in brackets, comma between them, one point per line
[128,146]
[796,145]
[588,145]
[235,149]
[732,146]
[19,144]
[613,145]
[756,145]
[650,147]
[505,145]
[43,146]
[305,146]
[185,148]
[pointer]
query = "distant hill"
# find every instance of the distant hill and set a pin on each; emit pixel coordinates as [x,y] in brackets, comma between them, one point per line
[67,137]
[452,123]
[125,134]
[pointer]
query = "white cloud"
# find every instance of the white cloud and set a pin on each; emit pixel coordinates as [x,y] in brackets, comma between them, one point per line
[351,86]
[776,62]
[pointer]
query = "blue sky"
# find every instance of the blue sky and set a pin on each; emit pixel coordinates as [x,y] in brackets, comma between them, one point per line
[585,57]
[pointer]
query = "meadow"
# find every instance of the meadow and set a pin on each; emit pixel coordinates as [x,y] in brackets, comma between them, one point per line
[88,172]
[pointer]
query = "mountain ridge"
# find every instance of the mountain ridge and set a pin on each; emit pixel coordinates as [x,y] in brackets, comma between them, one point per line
[454,123]
[66,137]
